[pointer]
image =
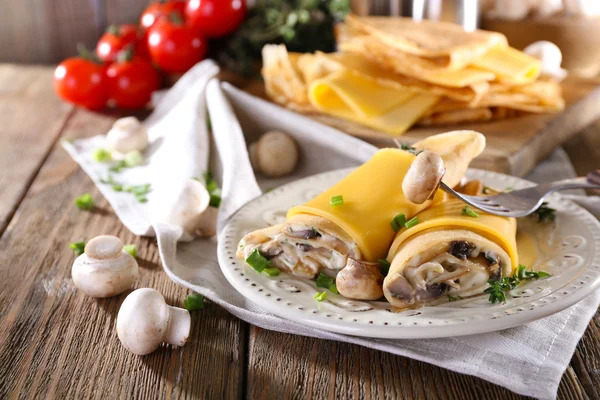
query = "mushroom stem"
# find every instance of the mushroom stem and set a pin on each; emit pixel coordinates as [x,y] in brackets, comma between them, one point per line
[179,327]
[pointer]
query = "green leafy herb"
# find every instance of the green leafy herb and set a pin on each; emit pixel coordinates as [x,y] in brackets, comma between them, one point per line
[454,298]
[118,166]
[385,266]
[320,296]
[412,222]
[77,247]
[410,149]
[138,191]
[213,189]
[194,302]
[498,288]
[271,271]
[257,261]
[398,222]
[131,249]
[85,202]
[133,159]
[327,282]
[469,212]
[102,155]
[336,201]
[544,213]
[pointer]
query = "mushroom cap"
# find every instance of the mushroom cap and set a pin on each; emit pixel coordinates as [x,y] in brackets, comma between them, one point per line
[360,280]
[104,269]
[127,134]
[550,56]
[423,177]
[275,154]
[145,321]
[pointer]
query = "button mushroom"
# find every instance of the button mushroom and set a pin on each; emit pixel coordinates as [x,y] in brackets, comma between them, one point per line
[360,280]
[127,134]
[145,321]
[274,155]
[190,209]
[423,177]
[104,269]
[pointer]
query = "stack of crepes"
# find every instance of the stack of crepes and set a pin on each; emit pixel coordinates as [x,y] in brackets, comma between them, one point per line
[392,73]
[440,253]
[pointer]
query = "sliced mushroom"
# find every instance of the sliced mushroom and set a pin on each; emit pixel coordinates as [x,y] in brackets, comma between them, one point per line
[423,177]
[360,280]
[400,288]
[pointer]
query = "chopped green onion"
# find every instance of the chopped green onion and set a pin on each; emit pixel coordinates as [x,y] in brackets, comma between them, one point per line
[452,298]
[141,199]
[118,166]
[102,155]
[333,289]
[131,249]
[85,202]
[410,149]
[213,189]
[336,201]
[271,271]
[320,296]
[138,190]
[327,282]
[194,302]
[468,211]
[133,159]
[77,247]
[398,222]
[215,200]
[257,261]
[412,222]
[385,266]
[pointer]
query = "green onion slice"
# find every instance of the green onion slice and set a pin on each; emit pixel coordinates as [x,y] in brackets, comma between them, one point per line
[257,261]
[469,212]
[397,222]
[336,201]
[412,222]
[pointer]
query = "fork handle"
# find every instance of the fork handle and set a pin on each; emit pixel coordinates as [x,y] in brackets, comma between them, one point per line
[591,181]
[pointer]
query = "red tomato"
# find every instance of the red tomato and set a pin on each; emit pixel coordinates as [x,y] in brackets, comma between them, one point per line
[131,83]
[114,40]
[215,18]
[175,47]
[159,9]
[141,47]
[81,82]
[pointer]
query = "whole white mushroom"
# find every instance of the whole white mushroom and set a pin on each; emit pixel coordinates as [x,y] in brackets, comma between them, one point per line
[550,56]
[275,154]
[104,269]
[145,321]
[126,135]
[423,177]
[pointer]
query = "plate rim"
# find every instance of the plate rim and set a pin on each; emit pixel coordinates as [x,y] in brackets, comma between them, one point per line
[406,331]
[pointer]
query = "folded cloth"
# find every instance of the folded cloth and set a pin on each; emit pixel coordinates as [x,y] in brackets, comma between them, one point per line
[529,359]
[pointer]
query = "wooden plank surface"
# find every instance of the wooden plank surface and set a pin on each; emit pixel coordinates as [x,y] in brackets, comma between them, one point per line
[57,342]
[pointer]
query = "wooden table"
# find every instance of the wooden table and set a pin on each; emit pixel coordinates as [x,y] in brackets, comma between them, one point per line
[57,342]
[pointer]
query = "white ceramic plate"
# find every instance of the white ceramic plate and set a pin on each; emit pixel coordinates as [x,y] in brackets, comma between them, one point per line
[570,251]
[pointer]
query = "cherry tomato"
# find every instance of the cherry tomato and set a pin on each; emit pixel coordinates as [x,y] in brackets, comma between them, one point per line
[81,82]
[175,47]
[114,40]
[131,83]
[159,9]
[141,46]
[215,18]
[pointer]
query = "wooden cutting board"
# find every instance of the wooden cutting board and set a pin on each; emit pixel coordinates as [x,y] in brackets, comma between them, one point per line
[515,145]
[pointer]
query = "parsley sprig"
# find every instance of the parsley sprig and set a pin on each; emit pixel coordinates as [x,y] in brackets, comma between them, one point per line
[498,288]
[544,213]
[327,282]
[410,149]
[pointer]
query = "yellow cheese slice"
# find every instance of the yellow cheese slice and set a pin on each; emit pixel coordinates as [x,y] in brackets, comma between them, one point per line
[372,198]
[448,215]
[365,101]
[510,65]
[458,78]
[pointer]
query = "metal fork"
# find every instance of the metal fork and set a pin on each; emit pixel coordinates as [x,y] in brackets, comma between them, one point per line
[519,203]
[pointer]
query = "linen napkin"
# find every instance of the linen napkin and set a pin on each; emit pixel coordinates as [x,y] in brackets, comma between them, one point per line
[529,359]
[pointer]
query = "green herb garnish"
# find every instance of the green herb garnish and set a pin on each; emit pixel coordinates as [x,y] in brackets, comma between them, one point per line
[133,159]
[213,189]
[336,201]
[320,296]
[327,282]
[398,222]
[194,302]
[498,288]
[131,249]
[271,271]
[102,155]
[453,298]
[410,149]
[77,247]
[385,266]
[85,202]
[412,223]
[118,166]
[469,212]
[544,213]
[257,261]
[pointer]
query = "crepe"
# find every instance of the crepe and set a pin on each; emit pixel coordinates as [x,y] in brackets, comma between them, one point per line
[318,237]
[449,255]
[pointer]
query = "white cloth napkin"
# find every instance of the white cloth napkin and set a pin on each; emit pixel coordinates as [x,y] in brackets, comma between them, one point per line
[529,359]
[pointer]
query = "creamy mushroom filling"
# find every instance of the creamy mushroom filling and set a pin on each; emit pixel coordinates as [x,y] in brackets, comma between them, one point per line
[461,269]
[304,251]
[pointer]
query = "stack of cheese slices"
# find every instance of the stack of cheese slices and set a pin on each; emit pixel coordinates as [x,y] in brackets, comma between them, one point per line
[392,73]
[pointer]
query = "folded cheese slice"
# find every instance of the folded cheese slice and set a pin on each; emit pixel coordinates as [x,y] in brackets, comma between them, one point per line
[510,65]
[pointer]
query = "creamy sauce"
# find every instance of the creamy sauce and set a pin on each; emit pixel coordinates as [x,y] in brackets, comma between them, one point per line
[527,249]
